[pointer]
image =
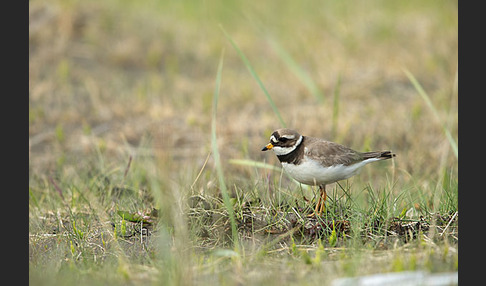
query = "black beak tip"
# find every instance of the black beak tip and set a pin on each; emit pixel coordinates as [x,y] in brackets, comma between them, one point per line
[265,148]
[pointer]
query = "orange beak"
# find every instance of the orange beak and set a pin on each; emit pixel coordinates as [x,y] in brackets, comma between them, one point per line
[268,147]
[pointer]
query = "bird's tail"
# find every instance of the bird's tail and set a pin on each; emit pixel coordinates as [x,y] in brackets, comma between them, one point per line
[382,155]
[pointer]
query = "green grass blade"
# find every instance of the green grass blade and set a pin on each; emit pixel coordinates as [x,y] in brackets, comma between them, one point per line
[255,76]
[431,106]
[217,160]
[335,107]
[256,164]
[32,198]
[301,74]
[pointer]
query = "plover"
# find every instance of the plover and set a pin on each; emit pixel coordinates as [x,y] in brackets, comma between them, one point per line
[317,162]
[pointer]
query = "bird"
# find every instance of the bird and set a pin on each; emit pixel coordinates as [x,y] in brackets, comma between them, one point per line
[318,162]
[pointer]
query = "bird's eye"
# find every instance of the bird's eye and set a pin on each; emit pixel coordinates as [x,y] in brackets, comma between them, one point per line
[283,139]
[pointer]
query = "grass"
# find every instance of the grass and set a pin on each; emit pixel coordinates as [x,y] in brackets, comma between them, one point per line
[217,160]
[427,100]
[145,169]
[256,77]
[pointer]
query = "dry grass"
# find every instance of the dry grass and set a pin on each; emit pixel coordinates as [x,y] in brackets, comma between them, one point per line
[109,80]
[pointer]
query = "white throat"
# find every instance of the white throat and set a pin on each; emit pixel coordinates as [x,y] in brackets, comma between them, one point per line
[286,150]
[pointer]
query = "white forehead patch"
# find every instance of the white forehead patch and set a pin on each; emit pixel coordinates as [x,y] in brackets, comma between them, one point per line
[272,138]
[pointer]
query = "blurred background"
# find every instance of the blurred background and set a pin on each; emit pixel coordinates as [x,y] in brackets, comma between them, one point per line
[121,101]
[110,80]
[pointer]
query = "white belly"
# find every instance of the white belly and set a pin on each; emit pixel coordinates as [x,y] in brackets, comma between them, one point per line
[312,173]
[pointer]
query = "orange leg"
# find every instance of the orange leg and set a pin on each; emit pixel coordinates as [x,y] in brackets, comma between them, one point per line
[320,206]
[316,209]
[323,201]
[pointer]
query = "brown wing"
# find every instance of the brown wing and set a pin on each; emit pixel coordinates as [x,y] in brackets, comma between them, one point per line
[330,153]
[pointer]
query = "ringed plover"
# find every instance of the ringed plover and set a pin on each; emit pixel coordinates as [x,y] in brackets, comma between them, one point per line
[317,162]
